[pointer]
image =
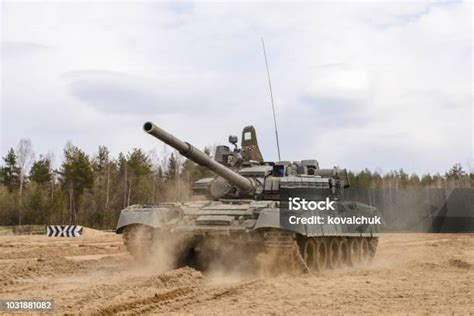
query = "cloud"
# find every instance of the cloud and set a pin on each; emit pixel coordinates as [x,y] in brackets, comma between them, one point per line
[342,80]
[17,49]
[121,93]
[358,85]
[113,92]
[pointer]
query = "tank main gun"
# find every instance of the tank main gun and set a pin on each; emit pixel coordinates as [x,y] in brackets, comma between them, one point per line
[244,184]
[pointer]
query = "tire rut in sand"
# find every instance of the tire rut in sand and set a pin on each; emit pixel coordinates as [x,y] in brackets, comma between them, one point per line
[202,294]
[175,299]
[148,303]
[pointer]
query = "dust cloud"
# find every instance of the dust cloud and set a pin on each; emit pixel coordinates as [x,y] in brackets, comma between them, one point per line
[411,274]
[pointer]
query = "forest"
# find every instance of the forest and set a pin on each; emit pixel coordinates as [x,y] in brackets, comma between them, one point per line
[92,189]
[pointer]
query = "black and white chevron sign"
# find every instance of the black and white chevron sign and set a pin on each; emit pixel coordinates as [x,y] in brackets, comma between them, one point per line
[64,231]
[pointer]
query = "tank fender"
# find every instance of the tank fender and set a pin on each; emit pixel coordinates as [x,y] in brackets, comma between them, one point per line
[153,217]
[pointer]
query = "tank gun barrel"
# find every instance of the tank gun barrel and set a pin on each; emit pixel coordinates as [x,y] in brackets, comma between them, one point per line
[194,154]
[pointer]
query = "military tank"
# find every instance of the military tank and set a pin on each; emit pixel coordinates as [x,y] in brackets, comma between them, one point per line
[243,217]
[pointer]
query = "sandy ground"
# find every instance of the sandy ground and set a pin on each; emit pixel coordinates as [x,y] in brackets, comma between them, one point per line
[412,273]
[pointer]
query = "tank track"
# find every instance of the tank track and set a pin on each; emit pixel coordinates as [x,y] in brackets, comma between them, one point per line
[283,251]
[280,254]
[288,252]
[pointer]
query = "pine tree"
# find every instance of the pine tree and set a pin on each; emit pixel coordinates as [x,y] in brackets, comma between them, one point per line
[456,172]
[414,180]
[102,159]
[426,180]
[140,181]
[11,171]
[172,168]
[100,195]
[139,163]
[41,172]
[77,175]
[403,176]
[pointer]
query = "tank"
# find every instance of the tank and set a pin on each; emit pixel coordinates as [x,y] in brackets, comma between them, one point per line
[241,218]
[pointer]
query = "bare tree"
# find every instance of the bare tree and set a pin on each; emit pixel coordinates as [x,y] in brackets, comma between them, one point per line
[25,157]
[165,155]
[50,156]
[155,167]
[177,173]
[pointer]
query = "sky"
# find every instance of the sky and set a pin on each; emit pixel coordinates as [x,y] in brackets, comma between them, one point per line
[378,85]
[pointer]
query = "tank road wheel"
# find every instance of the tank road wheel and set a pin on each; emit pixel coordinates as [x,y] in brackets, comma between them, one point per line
[344,252]
[334,254]
[309,253]
[364,251]
[138,239]
[353,255]
[321,256]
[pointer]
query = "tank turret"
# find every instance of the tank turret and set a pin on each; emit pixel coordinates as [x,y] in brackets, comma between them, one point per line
[243,173]
[244,184]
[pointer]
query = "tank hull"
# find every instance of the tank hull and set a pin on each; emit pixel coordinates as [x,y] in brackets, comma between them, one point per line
[236,232]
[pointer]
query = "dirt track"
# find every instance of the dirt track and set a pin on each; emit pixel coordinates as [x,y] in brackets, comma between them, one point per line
[412,273]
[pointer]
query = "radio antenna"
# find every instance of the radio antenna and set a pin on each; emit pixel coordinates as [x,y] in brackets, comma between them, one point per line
[271,97]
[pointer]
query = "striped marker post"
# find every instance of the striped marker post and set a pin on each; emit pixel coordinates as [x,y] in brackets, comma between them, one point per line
[64,230]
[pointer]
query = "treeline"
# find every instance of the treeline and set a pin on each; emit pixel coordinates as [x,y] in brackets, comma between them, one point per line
[88,189]
[454,177]
[92,189]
